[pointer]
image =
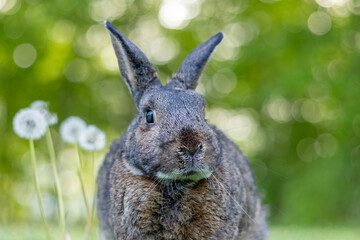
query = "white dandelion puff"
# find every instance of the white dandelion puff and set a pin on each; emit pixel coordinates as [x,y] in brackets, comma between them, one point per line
[52,119]
[29,123]
[92,139]
[71,128]
[43,108]
[40,104]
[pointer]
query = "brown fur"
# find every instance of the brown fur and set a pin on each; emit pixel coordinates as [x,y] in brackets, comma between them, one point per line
[193,214]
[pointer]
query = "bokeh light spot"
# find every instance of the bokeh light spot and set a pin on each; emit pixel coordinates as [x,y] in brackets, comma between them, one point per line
[24,55]
[311,112]
[49,205]
[107,9]
[176,14]
[162,50]
[336,68]
[240,33]
[97,36]
[225,51]
[62,32]
[331,3]
[22,192]
[279,109]
[326,145]
[77,70]
[319,23]
[354,6]
[224,80]
[306,149]
[82,47]
[45,177]
[146,30]
[239,125]
[108,59]
[69,183]
[7,5]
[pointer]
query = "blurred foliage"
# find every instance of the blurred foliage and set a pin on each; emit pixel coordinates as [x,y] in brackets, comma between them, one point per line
[284,84]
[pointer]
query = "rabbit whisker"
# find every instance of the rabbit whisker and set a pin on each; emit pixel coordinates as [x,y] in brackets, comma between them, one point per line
[271,170]
[168,191]
[176,187]
[242,209]
[211,183]
[162,208]
[150,189]
[171,185]
[154,184]
[157,183]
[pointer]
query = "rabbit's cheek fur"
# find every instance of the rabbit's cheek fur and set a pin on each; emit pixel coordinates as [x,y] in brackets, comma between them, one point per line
[139,156]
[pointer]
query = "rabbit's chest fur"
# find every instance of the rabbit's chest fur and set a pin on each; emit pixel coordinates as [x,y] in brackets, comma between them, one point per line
[147,210]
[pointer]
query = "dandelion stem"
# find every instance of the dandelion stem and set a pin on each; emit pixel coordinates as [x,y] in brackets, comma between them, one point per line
[57,181]
[91,216]
[33,160]
[81,179]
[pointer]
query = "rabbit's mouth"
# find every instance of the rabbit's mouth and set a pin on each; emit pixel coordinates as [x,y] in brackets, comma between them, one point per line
[190,176]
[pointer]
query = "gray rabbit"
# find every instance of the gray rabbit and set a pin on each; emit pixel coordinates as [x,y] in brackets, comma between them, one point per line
[173,175]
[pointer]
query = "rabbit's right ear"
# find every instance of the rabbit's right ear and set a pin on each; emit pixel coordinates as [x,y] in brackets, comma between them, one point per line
[188,75]
[136,70]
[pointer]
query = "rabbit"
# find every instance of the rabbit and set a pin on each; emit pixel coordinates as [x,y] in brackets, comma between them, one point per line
[172,175]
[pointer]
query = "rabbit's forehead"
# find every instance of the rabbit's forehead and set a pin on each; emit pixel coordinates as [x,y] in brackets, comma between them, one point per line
[166,100]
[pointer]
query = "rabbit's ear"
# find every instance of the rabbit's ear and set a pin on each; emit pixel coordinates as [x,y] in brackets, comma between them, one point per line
[189,73]
[136,70]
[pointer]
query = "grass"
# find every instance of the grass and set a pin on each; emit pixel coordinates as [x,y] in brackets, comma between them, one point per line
[315,233]
[277,233]
[17,232]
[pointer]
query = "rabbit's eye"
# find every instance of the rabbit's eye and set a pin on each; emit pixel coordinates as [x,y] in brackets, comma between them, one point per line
[149,116]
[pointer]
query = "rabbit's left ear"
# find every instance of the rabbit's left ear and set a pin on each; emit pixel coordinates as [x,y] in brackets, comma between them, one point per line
[188,75]
[135,69]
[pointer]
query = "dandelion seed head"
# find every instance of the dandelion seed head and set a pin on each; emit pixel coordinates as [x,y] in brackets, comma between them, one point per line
[71,128]
[40,104]
[29,123]
[92,139]
[52,119]
[43,108]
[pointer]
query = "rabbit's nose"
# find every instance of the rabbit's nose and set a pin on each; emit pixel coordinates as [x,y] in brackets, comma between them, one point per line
[190,140]
[192,151]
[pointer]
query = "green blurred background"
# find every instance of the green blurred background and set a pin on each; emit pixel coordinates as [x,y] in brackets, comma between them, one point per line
[284,85]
